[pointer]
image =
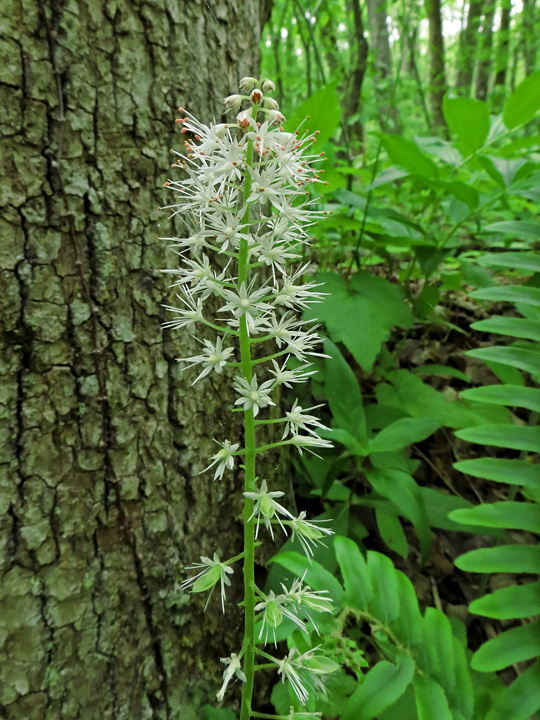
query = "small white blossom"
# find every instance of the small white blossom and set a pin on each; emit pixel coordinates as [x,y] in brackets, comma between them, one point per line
[282,376]
[252,395]
[309,534]
[266,507]
[213,357]
[224,459]
[297,419]
[213,572]
[233,668]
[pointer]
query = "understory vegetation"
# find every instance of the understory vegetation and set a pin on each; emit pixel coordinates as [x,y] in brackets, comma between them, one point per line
[431,388]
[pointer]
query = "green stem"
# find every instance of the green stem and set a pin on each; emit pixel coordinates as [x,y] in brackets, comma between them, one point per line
[249,482]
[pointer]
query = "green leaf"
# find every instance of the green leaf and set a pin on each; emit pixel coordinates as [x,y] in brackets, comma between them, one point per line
[408,155]
[441,371]
[323,111]
[382,686]
[391,531]
[522,260]
[213,713]
[385,601]
[402,433]
[509,293]
[358,587]
[515,437]
[512,472]
[517,601]
[388,175]
[521,699]
[506,514]
[439,505]
[510,647]
[343,393]
[431,702]
[522,358]
[520,229]
[316,575]
[512,326]
[501,559]
[361,314]
[403,492]
[509,395]
[408,626]
[468,119]
[523,104]
[437,650]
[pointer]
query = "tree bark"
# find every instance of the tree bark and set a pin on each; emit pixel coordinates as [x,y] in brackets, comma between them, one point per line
[102,506]
[436,56]
[468,41]
[529,35]
[486,52]
[383,76]
[503,45]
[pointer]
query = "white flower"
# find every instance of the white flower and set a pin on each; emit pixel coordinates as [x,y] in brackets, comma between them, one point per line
[213,357]
[288,671]
[307,442]
[268,85]
[224,459]
[253,395]
[233,102]
[233,668]
[186,318]
[309,534]
[305,671]
[247,84]
[274,608]
[245,301]
[297,420]
[266,506]
[213,572]
[282,376]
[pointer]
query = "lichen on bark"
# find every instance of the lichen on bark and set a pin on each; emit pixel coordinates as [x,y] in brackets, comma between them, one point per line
[101,503]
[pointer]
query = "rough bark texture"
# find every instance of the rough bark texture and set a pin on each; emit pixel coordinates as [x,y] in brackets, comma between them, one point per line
[101,504]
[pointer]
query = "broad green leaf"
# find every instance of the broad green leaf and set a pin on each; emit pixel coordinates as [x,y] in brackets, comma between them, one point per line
[516,601]
[506,514]
[509,395]
[358,587]
[408,155]
[388,175]
[438,649]
[402,433]
[346,439]
[509,293]
[403,492]
[515,437]
[361,314]
[522,260]
[523,104]
[439,505]
[408,626]
[316,575]
[463,696]
[462,192]
[431,702]
[343,393]
[468,119]
[510,647]
[512,326]
[385,601]
[501,559]
[391,531]
[323,112]
[442,371]
[213,713]
[381,687]
[522,698]
[521,358]
[512,472]
[505,171]
[519,229]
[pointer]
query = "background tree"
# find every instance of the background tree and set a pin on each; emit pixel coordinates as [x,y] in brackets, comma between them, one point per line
[436,55]
[101,499]
[468,41]
[485,59]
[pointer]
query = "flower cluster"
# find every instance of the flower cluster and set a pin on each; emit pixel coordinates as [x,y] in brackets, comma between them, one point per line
[244,201]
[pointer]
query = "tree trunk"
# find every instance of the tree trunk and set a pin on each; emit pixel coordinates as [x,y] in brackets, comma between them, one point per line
[503,45]
[436,56]
[468,41]
[102,504]
[529,35]
[383,76]
[356,78]
[486,51]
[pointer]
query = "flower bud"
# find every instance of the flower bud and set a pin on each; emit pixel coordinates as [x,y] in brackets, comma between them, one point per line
[256,96]
[247,84]
[268,85]
[275,117]
[244,119]
[233,102]
[270,103]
